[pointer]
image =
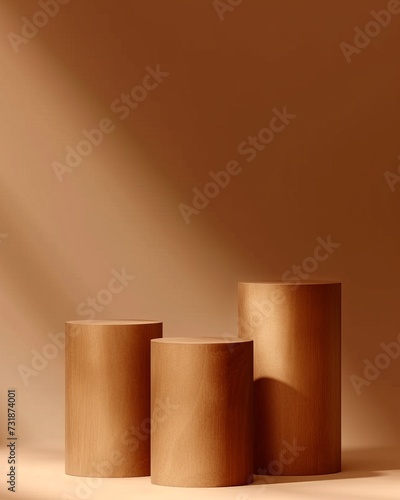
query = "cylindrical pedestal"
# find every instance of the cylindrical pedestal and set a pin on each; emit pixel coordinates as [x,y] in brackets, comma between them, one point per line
[202,412]
[108,397]
[296,330]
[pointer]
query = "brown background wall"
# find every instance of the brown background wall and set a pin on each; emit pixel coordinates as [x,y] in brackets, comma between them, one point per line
[323,175]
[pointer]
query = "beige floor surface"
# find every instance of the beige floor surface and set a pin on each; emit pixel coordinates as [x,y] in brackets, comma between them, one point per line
[367,475]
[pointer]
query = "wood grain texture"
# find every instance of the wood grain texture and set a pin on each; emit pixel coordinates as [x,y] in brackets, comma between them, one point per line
[108,397]
[206,437]
[297,368]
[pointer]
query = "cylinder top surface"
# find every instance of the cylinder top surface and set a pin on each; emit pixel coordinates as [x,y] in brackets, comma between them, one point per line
[199,340]
[113,322]
[291,283]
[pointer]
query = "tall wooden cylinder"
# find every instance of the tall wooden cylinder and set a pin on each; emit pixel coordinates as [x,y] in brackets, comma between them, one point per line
[202,412]
[296,330]
[108,397]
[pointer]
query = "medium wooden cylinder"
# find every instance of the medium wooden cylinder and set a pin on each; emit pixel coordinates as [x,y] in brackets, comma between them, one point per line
[296,330]
[108,397]
[202,412]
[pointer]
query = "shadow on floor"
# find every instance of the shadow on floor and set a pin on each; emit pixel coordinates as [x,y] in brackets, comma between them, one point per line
[355,464]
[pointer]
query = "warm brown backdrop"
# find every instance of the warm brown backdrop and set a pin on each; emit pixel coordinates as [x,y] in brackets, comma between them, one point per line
[323,175]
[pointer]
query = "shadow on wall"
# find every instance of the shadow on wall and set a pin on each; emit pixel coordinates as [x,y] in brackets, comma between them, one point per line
[271,432]
[295,435]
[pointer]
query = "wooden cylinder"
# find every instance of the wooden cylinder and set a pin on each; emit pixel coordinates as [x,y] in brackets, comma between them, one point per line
[296,330]
[202,412]
[108,397]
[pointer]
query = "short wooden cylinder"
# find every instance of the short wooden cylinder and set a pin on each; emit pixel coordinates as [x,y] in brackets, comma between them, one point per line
[202,412]
[108,397]
[296,330]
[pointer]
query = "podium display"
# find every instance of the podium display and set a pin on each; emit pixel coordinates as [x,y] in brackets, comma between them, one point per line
[210,412]
[205,438]
[108,397]
[296,329]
